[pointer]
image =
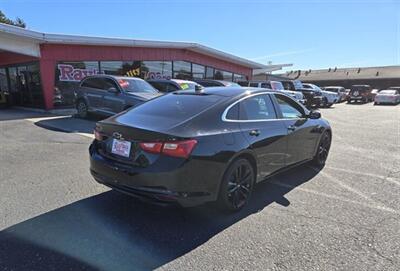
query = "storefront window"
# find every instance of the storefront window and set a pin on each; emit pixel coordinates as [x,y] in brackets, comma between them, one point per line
[34,84]
[68,76]
[198,71]
[3,80]
[157,69]
[223,75]
[239,77]
[182,70]
[122,68]
[209,73]
[13,78]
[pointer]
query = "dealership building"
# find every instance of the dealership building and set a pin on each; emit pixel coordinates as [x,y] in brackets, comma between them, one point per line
[377,77]
[35,67]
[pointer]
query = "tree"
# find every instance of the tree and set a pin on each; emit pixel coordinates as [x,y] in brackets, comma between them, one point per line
[17,22]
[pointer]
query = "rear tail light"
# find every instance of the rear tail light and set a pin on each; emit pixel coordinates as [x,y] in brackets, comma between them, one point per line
[151,147]
[181,148]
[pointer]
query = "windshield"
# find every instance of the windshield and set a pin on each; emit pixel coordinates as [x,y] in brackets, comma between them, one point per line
[297,84]
[392,92]
[277,85]
[332,89]
[187,85]
[136,85]
[315,87]
[359,88]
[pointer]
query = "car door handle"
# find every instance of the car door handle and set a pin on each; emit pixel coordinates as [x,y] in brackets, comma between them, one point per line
[254,133]
[291,128]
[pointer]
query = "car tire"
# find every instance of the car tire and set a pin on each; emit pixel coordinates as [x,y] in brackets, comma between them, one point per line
[236,186]
[329,105]
[82,109]
[324,145]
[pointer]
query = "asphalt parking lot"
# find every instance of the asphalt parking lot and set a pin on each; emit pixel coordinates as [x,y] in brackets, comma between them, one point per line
[53,216]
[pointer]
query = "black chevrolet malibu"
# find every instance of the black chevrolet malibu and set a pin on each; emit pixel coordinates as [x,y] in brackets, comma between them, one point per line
[215,144]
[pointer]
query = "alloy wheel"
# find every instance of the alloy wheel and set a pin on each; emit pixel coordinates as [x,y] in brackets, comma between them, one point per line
[82,109]
[240,185]
[323,149]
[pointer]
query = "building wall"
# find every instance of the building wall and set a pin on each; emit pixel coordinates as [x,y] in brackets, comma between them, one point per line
[9,58]
[374,83]
[52,53]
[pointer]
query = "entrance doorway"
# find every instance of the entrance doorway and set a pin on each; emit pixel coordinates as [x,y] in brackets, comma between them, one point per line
[25,86]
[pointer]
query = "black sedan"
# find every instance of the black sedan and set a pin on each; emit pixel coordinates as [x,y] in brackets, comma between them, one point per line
[215,144]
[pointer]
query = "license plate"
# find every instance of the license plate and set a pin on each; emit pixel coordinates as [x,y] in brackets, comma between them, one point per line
[121,147]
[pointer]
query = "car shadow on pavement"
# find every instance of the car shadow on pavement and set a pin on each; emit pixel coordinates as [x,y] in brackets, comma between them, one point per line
[68,124]
[17,114]
[112,231]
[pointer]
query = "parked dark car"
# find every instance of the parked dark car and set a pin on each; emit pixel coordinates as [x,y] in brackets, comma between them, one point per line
[215,83]
[191,147]
[313,98]
[107,94]
[360,93]
[164,85]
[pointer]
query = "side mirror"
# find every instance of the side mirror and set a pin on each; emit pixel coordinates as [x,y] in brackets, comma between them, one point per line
[198,88]
[112,90]
[314,114]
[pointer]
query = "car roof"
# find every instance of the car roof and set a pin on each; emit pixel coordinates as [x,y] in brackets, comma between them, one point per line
[227,91]
[111,76]
[180,81]
[161,80]
[333,87]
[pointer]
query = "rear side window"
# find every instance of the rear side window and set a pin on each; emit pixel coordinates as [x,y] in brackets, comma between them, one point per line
[254,85]
[265,85]
[289,108]
[176,106]
[254,108]
[92,83]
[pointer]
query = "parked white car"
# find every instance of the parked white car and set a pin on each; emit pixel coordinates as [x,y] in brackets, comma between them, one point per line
[277,86]
[387,96]
[341,91]
[329,97]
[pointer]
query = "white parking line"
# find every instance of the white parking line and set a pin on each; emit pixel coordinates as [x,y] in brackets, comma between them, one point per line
[371,206]
[391,180]
[378,205]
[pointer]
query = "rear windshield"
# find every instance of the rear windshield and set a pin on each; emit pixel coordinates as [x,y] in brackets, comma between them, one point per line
[298,84]
[388,91]
[359,88]
[134,85]
[332,89]
[169,110]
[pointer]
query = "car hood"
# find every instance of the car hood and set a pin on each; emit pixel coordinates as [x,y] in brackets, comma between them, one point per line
[144,96]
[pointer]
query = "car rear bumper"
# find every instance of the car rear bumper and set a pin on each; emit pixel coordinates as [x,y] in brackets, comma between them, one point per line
[187,185]
[357,98]
[317,100]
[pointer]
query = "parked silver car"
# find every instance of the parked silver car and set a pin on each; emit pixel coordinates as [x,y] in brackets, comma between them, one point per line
[108,95]
[387,96]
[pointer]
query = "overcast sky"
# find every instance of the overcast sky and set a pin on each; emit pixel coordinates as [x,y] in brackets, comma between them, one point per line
[309,34]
